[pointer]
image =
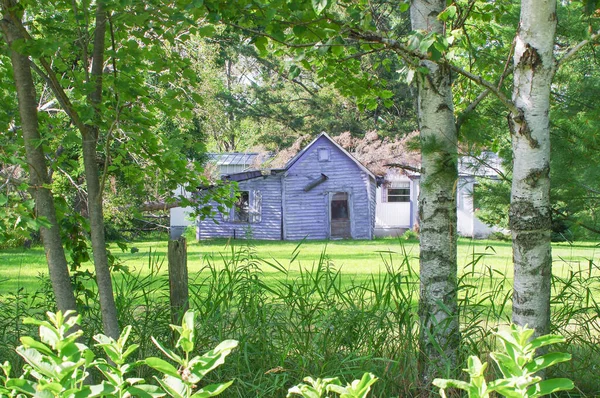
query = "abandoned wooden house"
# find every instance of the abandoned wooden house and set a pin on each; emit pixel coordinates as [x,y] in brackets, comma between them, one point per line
[321,193]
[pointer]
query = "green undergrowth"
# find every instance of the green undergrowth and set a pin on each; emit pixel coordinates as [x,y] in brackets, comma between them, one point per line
[319,318]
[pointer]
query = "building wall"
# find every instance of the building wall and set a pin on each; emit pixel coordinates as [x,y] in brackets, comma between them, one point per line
[307,213]
[269,226]
[180,217]
[468,223]
[394,218]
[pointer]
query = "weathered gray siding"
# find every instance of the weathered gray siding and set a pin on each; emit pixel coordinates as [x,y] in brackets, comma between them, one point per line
[269,226]
[307,213]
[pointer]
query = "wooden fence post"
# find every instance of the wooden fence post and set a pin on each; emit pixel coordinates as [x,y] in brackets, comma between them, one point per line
[178,279]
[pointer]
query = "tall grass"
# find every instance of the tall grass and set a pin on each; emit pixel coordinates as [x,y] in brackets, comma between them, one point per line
[296,321]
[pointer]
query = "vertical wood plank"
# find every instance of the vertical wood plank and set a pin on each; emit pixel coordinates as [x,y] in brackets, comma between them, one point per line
[178,279]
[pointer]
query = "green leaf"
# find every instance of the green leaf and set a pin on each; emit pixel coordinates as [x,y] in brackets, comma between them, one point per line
[173,386]
[544,361]
[145,391]
[547,387]
[448,13]
[37,361]
[21,385]
[299,30]
[49,336]
[162,366]
[426,43]
[319,6]
[169,353]
[304,390]
[96,390]
[212,390]
[261,44]
[360,388]
[450,383]
[543,341]
[29,342]
[206,30]
[386,94]
[294,72]
[506,364]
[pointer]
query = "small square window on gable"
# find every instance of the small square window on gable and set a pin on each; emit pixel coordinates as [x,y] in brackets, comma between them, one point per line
[323,154]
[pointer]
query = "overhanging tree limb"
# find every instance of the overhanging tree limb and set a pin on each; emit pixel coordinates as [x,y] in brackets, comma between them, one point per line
[573,51]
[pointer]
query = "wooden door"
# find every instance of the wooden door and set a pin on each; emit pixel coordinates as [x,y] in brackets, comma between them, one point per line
[340,216]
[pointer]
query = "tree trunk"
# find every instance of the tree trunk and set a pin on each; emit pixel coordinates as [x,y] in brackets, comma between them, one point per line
[530,215]
[439,330]
[89,136]
[39,180]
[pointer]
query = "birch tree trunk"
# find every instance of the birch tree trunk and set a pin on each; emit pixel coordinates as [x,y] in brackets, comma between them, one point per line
[439,329]
[39,179]
[530,216]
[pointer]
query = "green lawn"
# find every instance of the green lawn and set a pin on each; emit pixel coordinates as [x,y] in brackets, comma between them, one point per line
[316,323]
[21,268]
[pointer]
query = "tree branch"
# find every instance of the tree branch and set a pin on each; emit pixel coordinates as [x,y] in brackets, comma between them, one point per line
[571,53]
[404,167]
[396,45]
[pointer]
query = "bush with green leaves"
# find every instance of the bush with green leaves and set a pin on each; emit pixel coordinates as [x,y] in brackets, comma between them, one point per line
[58,365]
[317,388]
[519,366]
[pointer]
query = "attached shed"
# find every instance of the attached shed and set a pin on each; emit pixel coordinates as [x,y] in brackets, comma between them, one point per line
[322,193]
[256,214]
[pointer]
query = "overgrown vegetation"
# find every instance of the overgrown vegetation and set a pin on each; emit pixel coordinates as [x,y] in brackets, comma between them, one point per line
[318,320]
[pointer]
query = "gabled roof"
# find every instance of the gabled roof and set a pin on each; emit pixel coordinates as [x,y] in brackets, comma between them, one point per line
[345,152]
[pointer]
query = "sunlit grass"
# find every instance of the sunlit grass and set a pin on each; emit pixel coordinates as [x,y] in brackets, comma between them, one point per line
[335,308]
[20,268]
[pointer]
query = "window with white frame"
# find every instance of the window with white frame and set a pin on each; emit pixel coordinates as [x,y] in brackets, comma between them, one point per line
[247,207]
[397,192]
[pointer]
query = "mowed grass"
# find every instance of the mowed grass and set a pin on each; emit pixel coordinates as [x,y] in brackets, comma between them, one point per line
[357,259]
[325,309]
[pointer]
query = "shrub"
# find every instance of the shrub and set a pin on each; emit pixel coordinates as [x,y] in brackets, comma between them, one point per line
[58,364]
[519,367]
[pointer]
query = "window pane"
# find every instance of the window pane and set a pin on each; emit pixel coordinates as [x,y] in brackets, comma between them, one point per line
[339,206]
[323,154]
[241,207]
[398,194]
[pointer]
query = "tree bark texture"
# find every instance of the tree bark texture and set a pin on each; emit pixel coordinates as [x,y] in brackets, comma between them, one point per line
[39,180]
[530,212]
[439,328]
[89,136]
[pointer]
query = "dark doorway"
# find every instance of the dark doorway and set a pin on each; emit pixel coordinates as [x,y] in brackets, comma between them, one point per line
[340,216]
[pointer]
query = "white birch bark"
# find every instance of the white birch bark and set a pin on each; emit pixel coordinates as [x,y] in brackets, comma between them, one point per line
[439,330]
[530,216]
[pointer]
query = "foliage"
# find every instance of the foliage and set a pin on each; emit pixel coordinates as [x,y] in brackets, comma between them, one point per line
[181,381]
[316,388]
[519,367]
[59,364]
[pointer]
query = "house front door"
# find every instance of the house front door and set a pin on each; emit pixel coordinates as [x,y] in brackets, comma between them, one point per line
[340,216]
